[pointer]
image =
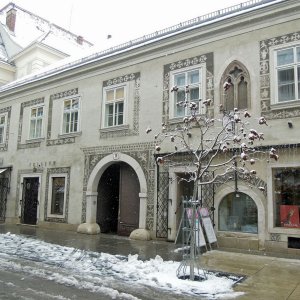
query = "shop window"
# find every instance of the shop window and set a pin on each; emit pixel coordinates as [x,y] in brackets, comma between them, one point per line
[58,195]
[238,213]
[286,197]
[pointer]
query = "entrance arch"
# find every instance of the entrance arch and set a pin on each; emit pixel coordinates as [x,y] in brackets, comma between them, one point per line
[91,226]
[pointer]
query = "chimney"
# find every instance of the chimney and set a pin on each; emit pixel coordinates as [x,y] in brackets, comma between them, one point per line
[11,19]
[80,39]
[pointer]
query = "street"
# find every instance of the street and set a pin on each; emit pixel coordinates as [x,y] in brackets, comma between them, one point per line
[26,279]
[33,269]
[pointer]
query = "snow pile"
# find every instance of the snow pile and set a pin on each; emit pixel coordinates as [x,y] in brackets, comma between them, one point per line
[87,269]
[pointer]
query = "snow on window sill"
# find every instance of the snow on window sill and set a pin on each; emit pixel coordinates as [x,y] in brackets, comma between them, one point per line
[68,135]
[114,128]
[34,140]
[284,105]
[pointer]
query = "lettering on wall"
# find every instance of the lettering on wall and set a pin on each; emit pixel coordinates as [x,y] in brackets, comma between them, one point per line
[41,164]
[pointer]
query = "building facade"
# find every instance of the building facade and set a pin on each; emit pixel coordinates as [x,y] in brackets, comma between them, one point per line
[74,148]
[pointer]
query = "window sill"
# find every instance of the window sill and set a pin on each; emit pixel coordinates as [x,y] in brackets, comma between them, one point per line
[285,105]
[176,120]
[69,135]
[284,230]
[32,141]
[50,216]
[179,120]
[223,233]
[114,128]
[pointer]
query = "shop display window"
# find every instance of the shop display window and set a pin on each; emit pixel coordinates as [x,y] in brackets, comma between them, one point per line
[286,197]
[238,213]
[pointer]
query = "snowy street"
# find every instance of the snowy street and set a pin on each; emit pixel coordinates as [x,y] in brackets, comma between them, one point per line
[33,269]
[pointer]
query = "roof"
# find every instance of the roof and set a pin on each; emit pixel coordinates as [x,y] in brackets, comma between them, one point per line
[94,54]
[30,29]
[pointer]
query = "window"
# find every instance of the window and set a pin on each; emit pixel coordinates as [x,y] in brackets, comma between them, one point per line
[237,95]
[36,122]
[238,213]
[286,197]
[57,195]
[2,128]
[114,106]
[192,80]
[287,70]
[71,116]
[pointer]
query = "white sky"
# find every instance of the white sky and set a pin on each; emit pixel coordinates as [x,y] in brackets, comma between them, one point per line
[94,271]
[123,19]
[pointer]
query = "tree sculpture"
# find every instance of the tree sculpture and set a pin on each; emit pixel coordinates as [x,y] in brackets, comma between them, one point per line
[216,146]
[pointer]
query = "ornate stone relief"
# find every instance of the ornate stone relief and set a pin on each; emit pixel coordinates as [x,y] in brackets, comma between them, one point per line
[265,83]
[23,105]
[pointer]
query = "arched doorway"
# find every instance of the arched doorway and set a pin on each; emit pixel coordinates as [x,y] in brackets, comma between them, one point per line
[238,213]
[118,201]
[90,226]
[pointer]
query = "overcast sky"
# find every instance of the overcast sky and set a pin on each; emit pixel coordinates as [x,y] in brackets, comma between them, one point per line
[122,19]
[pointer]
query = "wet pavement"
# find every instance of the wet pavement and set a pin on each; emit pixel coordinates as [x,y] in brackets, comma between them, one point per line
[267,276]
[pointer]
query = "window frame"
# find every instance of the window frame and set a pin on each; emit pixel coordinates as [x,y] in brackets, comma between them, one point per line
[42,125]
[271,190]
[234,222]
[49,204]
[114,101]
[4,126]
[78,110]
[274,74]
[202,89]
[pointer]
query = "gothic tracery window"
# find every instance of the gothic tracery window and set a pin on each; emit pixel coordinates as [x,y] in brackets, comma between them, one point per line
[238,95]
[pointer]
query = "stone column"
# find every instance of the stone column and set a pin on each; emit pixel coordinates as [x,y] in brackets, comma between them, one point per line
[142,233]
[90,226]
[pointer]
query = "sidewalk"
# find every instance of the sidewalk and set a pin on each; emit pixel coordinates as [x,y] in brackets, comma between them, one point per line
[267,277]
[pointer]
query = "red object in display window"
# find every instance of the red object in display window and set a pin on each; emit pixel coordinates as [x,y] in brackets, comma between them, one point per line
[289,216]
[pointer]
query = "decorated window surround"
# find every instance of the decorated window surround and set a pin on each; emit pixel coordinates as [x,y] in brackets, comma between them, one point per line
[130,127]
[268,109]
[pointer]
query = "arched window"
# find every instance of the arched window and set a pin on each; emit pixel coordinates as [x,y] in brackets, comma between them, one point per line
[238,95]
[238,213]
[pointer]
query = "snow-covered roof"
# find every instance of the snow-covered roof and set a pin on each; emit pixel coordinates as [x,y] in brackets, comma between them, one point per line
[95,54]
[30,28]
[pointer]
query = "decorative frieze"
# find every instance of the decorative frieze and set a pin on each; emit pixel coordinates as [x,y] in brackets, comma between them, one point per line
[121,79]
[61,141]
[64,94]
